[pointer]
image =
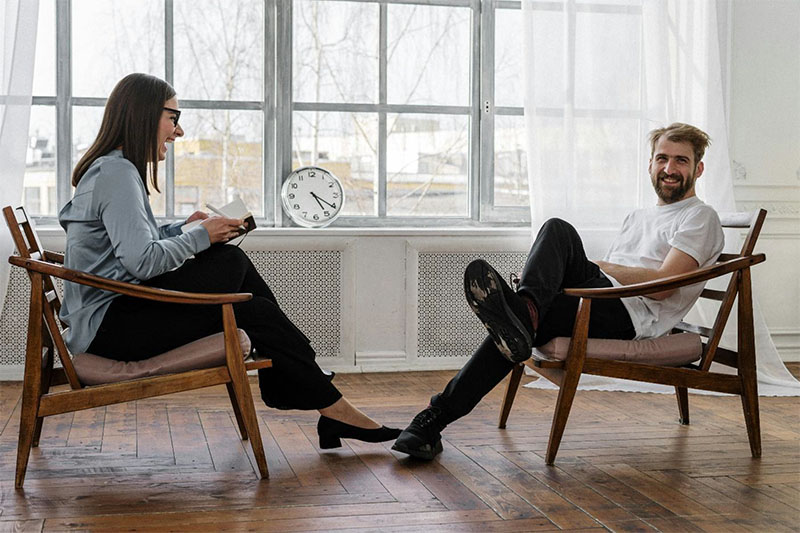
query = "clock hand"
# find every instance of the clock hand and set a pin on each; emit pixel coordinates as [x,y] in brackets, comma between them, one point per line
[318,199]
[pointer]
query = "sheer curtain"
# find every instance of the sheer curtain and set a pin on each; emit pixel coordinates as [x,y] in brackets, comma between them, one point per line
[600,75]
[18,20]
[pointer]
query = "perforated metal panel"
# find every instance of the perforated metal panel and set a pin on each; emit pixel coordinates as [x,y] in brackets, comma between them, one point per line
[447,327]
[14,321]
[307,285]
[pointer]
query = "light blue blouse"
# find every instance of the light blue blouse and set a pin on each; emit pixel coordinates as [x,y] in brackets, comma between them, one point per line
[111,232]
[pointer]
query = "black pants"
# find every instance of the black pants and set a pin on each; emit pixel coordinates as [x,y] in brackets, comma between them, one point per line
[556,261]
[134,329]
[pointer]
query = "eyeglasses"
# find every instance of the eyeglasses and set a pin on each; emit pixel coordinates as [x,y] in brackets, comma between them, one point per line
[177,116]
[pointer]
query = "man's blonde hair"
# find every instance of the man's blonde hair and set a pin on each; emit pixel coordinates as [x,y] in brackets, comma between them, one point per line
[682,133]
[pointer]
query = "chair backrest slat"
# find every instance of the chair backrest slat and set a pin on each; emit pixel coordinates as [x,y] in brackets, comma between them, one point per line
[691,328]
[28,245]
[753,220]
[713,294]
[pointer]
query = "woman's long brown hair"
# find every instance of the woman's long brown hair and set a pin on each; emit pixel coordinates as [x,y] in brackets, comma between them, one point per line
[131,119]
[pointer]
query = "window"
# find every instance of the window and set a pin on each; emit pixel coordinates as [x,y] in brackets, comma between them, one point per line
[415,104]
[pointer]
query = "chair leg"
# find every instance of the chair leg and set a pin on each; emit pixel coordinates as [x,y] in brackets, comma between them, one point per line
[27,429]
[566,394]
[573,368]
[241,388]
[747,363]
[511,393]
[32,381]
[237,411]
[47,374]
[751,415]
[683,404]
[243,396]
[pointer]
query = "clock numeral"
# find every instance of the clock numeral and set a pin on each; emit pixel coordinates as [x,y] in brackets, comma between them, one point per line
[296,206]
[291,196]
[330,185]
[316,217]
[327,213]
[311,173]
[294,185]
[305,213]
[336,195]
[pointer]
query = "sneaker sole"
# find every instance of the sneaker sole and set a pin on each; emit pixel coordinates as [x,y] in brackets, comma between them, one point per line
[420,454]
[484,291]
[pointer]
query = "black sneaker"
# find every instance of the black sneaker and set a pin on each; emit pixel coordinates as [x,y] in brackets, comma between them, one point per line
[504,314]
[423,437]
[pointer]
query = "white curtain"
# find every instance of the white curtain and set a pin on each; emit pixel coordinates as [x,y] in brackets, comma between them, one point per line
[18,21]
[597,79]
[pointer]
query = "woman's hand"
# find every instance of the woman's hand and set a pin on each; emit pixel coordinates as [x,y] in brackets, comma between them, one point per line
[197,215]
[221,229]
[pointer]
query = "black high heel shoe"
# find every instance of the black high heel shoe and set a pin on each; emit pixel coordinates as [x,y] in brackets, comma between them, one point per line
[331,432]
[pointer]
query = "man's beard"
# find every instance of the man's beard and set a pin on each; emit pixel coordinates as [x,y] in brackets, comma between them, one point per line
[676,193]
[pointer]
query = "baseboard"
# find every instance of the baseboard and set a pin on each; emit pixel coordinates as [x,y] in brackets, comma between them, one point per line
[12,372]
[787,341]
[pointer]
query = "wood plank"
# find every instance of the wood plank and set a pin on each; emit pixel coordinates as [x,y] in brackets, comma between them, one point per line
[119,429]
[779,514]
[563,513]
[601,509]
[399,482]
[188,440]
[617,491]
[507,504]
[304,459]
[624,465]
[224,443]
[21,526]
[87,428]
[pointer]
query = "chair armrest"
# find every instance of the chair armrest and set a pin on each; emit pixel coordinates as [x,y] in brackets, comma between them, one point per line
[670,282]
[129,289]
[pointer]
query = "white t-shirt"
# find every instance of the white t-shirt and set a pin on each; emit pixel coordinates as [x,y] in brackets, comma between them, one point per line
[646,238]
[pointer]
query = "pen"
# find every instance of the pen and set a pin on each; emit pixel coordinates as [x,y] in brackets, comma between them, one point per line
[220,213]
[217,211]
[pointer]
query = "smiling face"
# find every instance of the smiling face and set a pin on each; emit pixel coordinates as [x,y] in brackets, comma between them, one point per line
[673,171]
[168,130]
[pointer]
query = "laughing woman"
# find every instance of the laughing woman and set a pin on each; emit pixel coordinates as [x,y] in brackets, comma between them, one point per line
[111,232]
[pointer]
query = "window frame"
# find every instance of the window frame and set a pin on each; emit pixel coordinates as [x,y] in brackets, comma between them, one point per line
[277,106]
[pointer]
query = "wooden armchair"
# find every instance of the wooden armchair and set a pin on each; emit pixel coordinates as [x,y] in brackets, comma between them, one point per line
[565,369]
[222,362]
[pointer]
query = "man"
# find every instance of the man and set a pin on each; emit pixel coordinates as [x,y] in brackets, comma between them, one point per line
[678,235]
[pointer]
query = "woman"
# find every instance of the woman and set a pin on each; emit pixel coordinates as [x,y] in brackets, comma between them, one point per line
[111,232]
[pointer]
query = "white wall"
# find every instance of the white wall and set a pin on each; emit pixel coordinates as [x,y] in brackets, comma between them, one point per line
[764,113]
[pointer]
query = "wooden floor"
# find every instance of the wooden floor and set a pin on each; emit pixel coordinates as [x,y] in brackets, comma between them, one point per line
[625,464]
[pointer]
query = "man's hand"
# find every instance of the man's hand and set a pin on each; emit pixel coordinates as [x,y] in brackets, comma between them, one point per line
[676,262]
[221,229]
[197,215]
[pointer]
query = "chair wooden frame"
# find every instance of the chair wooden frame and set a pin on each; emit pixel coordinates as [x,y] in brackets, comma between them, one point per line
[566,374]
[45,339]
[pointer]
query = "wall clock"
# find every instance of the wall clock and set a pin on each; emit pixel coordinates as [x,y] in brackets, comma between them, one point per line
[312,197]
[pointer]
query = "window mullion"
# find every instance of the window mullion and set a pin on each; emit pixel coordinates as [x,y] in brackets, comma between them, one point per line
[269,178]
[382,99]
[63,102]
[283,103]
[486,110]
[169,74]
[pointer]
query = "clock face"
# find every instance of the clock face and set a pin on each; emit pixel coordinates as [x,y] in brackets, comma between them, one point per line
[312,197]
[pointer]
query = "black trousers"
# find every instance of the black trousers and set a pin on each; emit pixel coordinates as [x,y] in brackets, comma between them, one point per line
[134,329]
[556,261]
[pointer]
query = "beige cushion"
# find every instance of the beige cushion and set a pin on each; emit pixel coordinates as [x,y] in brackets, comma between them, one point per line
[202,353]
[669,350]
